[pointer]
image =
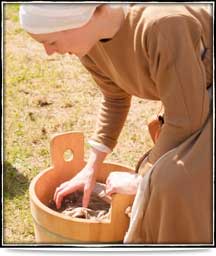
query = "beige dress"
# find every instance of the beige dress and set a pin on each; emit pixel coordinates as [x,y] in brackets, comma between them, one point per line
[156,55]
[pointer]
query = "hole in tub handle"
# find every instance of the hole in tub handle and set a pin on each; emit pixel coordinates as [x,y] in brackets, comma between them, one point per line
[67,147]
[68,155]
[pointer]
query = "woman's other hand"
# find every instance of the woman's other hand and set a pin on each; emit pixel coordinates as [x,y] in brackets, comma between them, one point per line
[122,183]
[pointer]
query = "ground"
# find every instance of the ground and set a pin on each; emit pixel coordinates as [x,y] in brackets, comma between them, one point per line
[44,95]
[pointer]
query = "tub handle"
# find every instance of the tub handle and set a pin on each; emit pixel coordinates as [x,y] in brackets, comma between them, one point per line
[73,141]
[119,204]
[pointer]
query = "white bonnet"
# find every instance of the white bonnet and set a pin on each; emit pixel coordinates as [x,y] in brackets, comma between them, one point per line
[47,18]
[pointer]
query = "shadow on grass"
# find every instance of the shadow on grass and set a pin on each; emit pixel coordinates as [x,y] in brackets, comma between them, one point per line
[14,182]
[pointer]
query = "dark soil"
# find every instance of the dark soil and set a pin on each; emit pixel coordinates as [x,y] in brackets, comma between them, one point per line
[97,209]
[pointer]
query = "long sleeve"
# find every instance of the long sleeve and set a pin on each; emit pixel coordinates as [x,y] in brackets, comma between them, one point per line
[114,107]
[179,75]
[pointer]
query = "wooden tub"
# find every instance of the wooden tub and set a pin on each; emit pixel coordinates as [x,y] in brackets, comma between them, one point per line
[53,227]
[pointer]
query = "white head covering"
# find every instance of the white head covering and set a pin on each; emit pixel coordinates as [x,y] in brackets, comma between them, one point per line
[47,18]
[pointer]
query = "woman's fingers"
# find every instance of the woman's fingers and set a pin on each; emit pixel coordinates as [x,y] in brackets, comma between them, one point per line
[110,189]
[58,189]
[62,193]
[108,180]
[87,194]
[86,197]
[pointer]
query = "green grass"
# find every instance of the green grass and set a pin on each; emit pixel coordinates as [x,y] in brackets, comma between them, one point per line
[45,95]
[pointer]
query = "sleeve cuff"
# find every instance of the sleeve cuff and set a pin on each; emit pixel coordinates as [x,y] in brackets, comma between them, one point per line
[99,146]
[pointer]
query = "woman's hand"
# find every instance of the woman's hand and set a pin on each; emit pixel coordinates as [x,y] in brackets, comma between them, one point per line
[122,183]
[85,180]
